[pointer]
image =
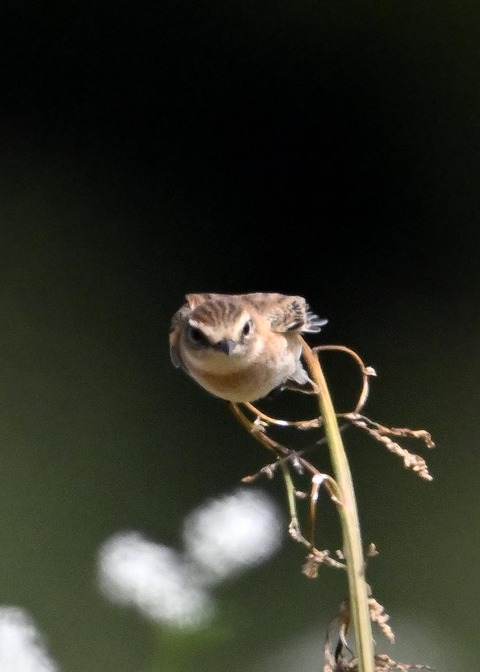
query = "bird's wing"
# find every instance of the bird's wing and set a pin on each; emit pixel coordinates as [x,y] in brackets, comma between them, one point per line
[175,331]
[287,313]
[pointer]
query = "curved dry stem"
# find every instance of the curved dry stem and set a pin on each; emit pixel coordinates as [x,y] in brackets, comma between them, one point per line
[314,423]
[367,372]
[299,424]
[317,481]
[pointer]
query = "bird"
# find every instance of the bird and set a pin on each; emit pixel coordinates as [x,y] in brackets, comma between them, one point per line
[242,347]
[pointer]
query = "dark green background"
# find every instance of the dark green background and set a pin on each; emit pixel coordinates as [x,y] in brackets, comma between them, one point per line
[329,149]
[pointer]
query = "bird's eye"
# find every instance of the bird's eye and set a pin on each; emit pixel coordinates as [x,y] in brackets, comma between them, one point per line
[247,327]
[195,335]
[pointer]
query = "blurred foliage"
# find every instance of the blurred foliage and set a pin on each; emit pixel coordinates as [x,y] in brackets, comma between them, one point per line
[329,149]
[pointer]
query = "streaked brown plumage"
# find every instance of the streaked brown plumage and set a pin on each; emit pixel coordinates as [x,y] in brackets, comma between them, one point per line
[241,347]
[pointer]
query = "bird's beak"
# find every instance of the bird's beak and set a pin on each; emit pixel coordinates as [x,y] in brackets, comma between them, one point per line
[226,345]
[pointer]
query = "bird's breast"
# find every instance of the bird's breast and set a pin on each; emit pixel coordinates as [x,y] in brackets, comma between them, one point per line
[248,384]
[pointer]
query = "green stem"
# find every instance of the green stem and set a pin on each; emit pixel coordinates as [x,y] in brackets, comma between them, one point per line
[352,541]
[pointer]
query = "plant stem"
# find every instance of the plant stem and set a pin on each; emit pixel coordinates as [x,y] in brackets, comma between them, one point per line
[352,541]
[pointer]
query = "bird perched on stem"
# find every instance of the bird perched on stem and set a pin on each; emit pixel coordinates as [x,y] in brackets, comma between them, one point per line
[241,347]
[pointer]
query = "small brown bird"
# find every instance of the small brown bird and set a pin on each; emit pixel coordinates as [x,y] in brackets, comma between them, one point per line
[241,347]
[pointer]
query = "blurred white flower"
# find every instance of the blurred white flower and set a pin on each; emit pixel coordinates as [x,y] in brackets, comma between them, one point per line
[21,645]
[154,579]
[222,538]
[227,535]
